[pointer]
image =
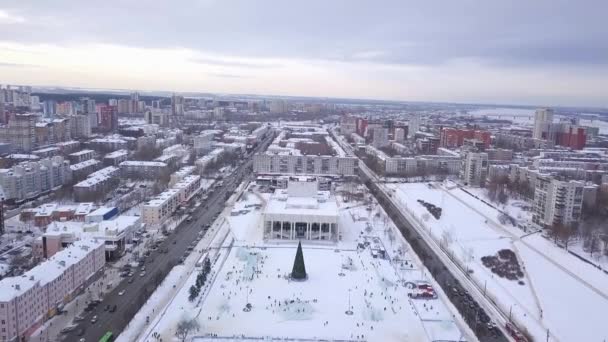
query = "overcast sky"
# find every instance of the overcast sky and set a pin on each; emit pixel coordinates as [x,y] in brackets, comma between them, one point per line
[544,52]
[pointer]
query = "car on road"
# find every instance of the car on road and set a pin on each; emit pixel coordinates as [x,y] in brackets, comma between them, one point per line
[67,329]
[130,280]
[106,308]
[142,274]
[113,308]
[80,332]
[122,292]
[94,319]
[78,319]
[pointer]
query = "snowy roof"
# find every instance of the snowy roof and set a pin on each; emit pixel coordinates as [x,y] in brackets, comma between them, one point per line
[98,176]
[48,270]
[162,198]
[84,164]
[142,163]
[323,205]
[82,152]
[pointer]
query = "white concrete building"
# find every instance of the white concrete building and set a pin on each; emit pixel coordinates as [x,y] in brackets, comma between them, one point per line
[475,168]
[557,201]
[301,212]
[203,141]
[380,137]
[413,126]
[29,179]
[543,117]
[158,209]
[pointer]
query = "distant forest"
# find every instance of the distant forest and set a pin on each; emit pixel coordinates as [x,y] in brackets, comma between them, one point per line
[98,97]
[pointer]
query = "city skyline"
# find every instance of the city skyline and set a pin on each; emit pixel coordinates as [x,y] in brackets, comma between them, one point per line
[546,53]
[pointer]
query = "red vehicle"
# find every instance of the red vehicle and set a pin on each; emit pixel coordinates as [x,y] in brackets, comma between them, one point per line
[512,330]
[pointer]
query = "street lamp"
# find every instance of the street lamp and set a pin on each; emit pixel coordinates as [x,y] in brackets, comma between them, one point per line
[349,311]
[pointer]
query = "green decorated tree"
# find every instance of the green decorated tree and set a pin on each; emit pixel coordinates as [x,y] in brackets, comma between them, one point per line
[299,270]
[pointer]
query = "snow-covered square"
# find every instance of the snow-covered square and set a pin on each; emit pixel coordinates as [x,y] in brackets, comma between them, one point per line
[364,286]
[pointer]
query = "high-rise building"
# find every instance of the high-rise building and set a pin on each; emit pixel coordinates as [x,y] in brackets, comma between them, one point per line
[557,201]
[20,132]
[380,138]
[400,134]
[108,118]
[474,168]
[348,125]
[87,105]
[34,103]
[122,105]
[279,107]
[413,126]
[49,108]
[543,117]
[177,105]
[80,126]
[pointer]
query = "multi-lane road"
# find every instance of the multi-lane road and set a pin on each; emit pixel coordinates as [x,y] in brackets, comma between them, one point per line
[158,264]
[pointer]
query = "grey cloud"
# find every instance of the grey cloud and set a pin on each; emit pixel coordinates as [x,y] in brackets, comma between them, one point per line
[518,32]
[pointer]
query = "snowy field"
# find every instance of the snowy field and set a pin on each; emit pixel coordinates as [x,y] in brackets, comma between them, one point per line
[249,270]
[557,292]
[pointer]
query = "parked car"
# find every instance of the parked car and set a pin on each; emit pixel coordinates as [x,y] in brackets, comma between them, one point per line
[113,308]
[94,319]
[122,292]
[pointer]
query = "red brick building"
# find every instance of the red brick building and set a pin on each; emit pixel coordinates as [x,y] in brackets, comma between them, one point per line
[454,137]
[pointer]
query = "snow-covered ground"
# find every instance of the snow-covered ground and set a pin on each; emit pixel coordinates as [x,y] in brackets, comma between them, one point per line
[247,269]
[558,292]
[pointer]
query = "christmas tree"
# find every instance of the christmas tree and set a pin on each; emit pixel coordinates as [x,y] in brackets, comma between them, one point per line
[299,270]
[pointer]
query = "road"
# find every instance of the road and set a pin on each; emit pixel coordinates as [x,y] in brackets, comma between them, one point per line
[471,311]
[158,264]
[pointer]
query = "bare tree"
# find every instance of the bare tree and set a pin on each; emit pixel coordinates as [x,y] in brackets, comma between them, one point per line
[185,327]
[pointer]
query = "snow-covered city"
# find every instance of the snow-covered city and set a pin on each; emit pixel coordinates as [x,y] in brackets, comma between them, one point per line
[303,171]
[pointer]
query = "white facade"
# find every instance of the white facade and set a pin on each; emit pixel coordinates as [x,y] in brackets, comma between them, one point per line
[475,168]
[313,165]
[158,209]
[28,179]
[380,137]
[542,118]
[301,212]
[557,201]
[413,126]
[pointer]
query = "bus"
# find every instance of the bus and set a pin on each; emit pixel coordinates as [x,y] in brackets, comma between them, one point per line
[107,337]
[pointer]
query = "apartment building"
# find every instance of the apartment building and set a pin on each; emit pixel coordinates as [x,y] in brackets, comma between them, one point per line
[475,168]
[380,138]
[82,170]
[27,300]
[158,209]
[304,164]
[20,132]
[142,169]
[80,156]
[97,184]
[203,141]
[115,158]
[557,201]
[29,179]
